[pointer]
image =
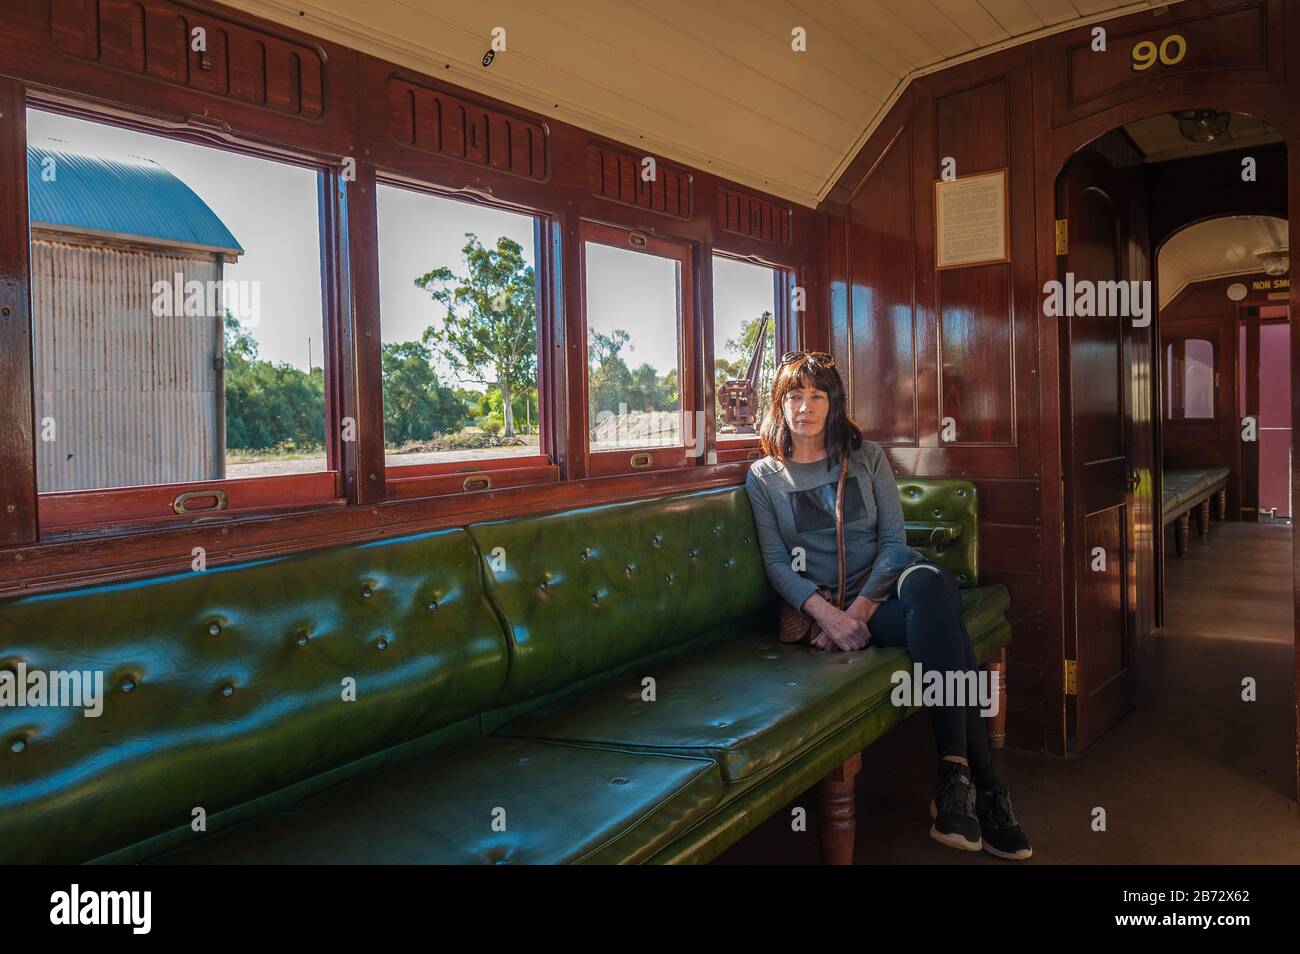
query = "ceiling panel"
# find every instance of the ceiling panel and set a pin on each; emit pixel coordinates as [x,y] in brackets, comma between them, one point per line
[1216,249]
[714,84]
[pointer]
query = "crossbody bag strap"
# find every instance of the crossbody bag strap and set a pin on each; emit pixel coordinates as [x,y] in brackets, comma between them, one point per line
[839,527]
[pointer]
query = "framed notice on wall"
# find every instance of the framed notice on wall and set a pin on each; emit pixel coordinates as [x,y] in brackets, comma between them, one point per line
[971,220]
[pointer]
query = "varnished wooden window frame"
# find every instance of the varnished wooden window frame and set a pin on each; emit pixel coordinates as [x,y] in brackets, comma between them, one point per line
[77,512]
[785,331]
[463,476]
[606,463]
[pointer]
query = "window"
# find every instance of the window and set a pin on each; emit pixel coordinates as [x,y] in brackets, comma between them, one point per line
[1190,379]
[178,326]
[744,345]
[640,387]
[460,331]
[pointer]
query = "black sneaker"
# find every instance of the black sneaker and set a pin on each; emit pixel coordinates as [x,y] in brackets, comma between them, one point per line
[998,826]
[953,809]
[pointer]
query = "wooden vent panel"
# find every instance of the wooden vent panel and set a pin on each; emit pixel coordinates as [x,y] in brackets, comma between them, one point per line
[751,216]
[616,175]
[155,38]
[436,122]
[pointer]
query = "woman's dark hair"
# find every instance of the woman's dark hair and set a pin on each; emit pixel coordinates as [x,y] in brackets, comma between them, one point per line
[843,436]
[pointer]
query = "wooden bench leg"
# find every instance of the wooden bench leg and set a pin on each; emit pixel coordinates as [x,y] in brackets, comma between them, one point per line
[1222,496]
[998,726]
[837,810]
[1182,530]
[1203,518]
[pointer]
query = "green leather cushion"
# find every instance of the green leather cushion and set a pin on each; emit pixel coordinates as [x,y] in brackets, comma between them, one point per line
[949,510]
[227,684]
[562,804]
[749,703]
[584,591]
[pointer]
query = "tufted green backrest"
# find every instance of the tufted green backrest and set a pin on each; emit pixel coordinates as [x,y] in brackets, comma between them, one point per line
[224,685]
[583,591]
[942,518]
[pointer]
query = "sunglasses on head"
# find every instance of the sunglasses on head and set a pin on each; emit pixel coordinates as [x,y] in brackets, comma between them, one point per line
[821,357]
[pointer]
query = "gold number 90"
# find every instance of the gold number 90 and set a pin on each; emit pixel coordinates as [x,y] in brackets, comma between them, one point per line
[1171,51]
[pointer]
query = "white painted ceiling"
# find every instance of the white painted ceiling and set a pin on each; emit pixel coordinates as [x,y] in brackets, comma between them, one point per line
[713,83]
[1216,249]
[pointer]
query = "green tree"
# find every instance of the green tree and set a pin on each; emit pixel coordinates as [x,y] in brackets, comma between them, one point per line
[415,405]
[489,333]
[269,405]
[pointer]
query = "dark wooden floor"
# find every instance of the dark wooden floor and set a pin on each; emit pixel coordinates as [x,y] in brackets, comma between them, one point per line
[1192,775]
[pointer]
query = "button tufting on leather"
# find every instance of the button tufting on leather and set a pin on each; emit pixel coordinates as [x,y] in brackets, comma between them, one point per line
[214,628]
[303,639]
[366,591]
[228,690]
[768,656]
[618,781]
[717,529]
[382,643]
[544,585]
[913,492]
[669,578]
[583,556]
[656,539]
[595,598]
[17,745]
[961,492]
[628,569]
[791,685]
[433,606]
[938,512]
[692,553]
[126,685]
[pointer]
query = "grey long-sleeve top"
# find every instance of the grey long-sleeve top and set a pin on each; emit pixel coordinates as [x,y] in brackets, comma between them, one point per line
[794,506]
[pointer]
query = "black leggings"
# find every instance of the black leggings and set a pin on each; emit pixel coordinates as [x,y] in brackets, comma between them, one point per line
[926,618]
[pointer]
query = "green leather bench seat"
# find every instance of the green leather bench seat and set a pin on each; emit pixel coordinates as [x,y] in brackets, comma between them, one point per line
[223,685]
[495,666]
[749,703]
[560,804]
[1185,488]
[581,592]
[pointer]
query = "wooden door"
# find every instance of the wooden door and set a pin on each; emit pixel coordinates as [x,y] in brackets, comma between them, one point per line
[1098,459]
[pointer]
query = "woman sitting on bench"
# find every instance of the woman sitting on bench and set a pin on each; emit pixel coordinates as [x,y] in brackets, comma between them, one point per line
[902,598]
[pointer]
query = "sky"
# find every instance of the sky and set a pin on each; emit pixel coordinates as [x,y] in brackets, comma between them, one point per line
[271,209]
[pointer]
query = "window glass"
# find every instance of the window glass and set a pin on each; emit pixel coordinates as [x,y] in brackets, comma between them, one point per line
[744,366]
[176,301]
[633,307]
[1198,379]
[459,325]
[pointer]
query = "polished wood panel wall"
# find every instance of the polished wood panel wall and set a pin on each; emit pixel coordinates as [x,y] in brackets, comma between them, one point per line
[971,344]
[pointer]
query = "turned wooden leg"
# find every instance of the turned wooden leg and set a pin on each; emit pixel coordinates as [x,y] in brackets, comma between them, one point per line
[837,810]
[998,724]
[1203,518]
[1182,530]
[1222,496]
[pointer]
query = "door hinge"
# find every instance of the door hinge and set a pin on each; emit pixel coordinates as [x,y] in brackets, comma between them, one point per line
[1062,236]
[1071,684]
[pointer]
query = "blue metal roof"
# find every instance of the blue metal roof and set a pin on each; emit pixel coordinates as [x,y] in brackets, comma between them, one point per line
[138,198]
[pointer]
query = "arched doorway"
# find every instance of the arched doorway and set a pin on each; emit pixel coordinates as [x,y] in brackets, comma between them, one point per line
[1118,199]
